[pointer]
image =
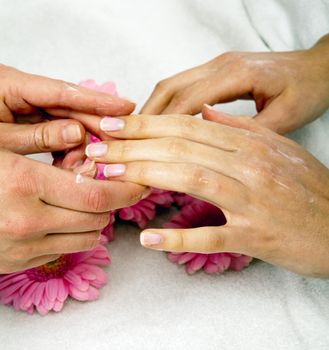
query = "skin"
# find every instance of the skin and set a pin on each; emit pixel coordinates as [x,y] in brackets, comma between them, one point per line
[290,89]
[43,211]
[274,194]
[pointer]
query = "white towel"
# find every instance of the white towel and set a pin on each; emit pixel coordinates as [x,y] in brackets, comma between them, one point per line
[289,24]
[150,303]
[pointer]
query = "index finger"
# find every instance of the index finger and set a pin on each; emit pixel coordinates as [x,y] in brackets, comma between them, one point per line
[52,93]
[183,126]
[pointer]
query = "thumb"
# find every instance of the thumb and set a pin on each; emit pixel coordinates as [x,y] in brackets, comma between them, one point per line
[56,135]
[280,116]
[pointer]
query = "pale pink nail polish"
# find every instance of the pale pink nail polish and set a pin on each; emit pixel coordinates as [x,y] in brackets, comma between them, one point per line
[148,238]
[111,124]
[96,150]
[112,170]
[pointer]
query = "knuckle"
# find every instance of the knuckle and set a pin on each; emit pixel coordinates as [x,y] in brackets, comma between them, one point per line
[63,87]
[187,126]
[142,174]
[97,200]
[230,56]
[121,148]
[139,124]
[42,137]
[162,85]
[180,99]
[22,229]
[258,146]
[178,241]
[175,146]
[265,246]
[213,242]
[197,178]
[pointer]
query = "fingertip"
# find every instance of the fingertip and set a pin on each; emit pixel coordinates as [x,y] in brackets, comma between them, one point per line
[151,239]
[122,107]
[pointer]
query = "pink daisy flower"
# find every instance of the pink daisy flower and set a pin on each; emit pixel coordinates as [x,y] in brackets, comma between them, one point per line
[46,288]
[197,214]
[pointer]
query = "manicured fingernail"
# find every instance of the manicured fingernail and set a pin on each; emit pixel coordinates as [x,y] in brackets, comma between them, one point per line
[112,170]
[96,149]
[71,133]
[111,124]
[149,239]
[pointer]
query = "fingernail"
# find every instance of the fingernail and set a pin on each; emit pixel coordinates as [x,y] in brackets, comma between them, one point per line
[111,124]
[87,169]
[77,164]
[128,99]
[112,170]
[146,193]
[96,149]
[209,107]
[71,133]
[148,238]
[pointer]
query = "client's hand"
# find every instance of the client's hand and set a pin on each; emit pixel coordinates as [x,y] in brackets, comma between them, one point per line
[290,89]
[274,194]
[45,213]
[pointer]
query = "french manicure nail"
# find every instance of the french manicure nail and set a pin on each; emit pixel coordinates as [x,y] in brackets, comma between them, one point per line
[71,133]
[149,239]
[112,170]
[111,124]
[96,149]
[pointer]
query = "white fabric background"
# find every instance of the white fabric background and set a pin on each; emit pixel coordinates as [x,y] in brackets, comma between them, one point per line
[150,303]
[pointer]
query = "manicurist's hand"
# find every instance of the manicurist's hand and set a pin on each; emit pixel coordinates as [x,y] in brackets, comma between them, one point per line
[45,213]
[27,102]
[274,194]
[290,89]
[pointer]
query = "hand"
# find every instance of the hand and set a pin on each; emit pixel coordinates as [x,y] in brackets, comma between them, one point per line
[31,100]
[274,194]
[44,213]
[290,89]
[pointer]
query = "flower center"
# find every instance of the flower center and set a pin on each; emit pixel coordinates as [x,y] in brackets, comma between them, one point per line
[53,269]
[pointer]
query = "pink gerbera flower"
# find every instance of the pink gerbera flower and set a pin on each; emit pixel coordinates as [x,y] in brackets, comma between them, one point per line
[145,210]
[108,231]
[46,288]
[107,87]
[197,214]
